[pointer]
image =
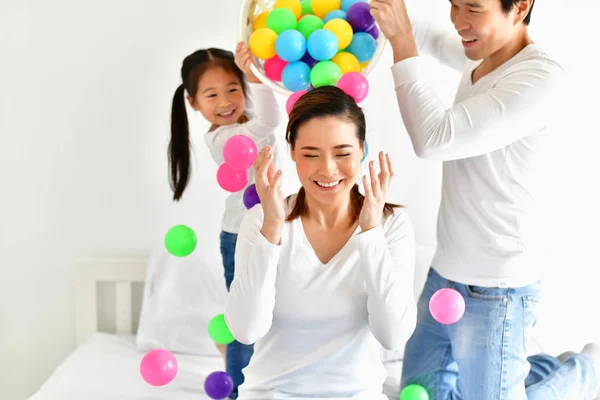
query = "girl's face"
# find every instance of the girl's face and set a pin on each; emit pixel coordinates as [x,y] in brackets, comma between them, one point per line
[219,98]
[327,154]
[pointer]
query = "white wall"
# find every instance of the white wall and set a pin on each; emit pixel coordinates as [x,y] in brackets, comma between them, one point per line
[85,94]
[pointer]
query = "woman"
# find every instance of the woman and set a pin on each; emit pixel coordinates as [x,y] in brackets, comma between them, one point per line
[324,278]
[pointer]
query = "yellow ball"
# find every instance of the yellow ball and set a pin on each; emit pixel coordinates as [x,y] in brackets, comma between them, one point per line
[342,30]
[364,65]
[323,7]
[293,5]
[347,62]
[262,43]
[261,21]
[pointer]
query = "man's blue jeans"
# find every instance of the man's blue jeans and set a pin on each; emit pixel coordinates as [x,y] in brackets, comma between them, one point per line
[484,356]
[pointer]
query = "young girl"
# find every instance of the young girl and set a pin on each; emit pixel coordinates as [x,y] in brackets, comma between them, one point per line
[324,279]
[214,85]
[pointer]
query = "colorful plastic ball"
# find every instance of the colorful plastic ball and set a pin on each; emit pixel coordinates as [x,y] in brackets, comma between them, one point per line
[359,16]
[347,62]
[306,7]
[308,24]
[262,43]
[274,67]
[322,45]
[335,14]
[342,30]
[250,197]
[323,7]
[290,45]
[239,152]
[289,104]
[347,3]
[311,62]
[281,19]
[296,76]
[414,392]
[325,73]
[447,306]
[230,179]
[355,84]
[158,367]
[293,5]
[363,46]
[181,241]
[261,20]
[219,331]
[218,385]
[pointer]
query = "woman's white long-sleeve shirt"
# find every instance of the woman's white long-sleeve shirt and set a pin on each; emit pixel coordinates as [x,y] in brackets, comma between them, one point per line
[318,328]
[263,120]
[488,140]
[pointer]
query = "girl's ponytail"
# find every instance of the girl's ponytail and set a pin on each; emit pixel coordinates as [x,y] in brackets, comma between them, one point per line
[179,145]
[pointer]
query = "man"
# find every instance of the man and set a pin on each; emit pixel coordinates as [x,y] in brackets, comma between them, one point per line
[488,143]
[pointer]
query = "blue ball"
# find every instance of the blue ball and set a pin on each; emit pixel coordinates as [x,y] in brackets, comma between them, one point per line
[322,45]
[347,3]
[363,46]
[290,45]
[296,76]
[335,14]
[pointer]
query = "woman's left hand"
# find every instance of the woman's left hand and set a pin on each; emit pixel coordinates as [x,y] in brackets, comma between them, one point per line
[375,193]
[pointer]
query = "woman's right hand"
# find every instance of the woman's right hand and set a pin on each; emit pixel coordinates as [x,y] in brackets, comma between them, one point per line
[269,192]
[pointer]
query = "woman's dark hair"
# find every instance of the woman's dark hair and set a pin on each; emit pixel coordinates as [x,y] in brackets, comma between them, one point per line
[508,5]
[328,101]
[194,66]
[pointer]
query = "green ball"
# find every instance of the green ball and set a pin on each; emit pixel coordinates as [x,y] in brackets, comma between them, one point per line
[180,241]
[306,6]
[414,392]
[281,19]
[219,331]
[308,24]
[325,73]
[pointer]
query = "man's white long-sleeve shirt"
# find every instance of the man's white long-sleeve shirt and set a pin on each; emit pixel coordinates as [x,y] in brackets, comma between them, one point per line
[488,142]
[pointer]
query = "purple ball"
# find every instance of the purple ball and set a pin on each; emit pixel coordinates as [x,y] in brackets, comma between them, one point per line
[218,385]
[359,16]
[311,62]
[374,31]
[251,197]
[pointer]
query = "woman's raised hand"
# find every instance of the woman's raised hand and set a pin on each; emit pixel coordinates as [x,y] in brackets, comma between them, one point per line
[271,199]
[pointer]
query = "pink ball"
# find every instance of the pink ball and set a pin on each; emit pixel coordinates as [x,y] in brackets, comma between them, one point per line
[355,84]
[240,152]
[232,180]
[289,104]
[274,68]
[158,367]
[447,306]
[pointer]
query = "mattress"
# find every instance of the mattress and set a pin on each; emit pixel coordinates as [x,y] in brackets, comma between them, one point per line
[106,367]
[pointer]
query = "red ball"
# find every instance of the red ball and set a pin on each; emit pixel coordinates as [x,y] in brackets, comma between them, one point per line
[274,67]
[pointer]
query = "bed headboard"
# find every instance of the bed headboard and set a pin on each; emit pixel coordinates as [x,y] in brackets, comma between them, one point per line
[90,274]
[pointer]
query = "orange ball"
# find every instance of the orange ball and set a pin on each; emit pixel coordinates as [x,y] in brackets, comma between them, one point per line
[293,5]
[261,20]
[342,30]
[323,7]
[262,43]
[347,62]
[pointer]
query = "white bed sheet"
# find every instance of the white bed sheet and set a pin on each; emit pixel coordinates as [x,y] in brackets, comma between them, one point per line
[108,367]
